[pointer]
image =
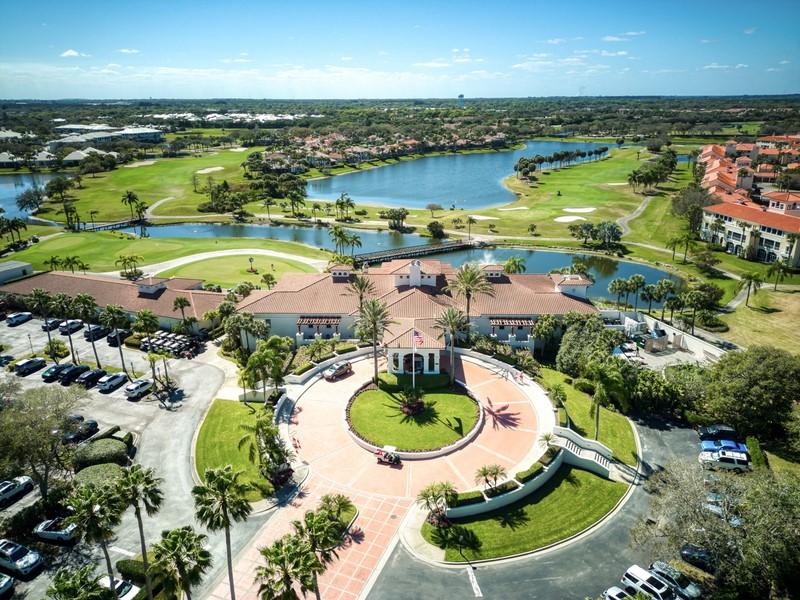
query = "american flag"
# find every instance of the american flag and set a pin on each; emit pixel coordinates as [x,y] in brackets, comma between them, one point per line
[417,337]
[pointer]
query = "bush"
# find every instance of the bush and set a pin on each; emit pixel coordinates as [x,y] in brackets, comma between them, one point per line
[133,342]
[506,486]
[361,212]
[99,475]
[131,570]
[303,368]
[57,348]
[548,456]
[694,419]
[584,385]
[390,382]
[757,456]
[100,452]
[509,359]
[106,433]
[325,357]
[345,348]
[529,473]
[711,322]
[127,439]
[467,498]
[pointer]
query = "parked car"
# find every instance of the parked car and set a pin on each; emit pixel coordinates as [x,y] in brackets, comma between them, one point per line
[90,378]
[717,432]
[50,324]
[336,370]
[71,373]
[29,365]
[56,530]
[14,488]
[715,503]
[6,585]
[644,581]
[697,556]
[70,326]
[83,431]
[18,318]
[54,372]
[683,586]
[5,359]
[715,445]
[738,462]
[138,388]
[125,589]
[109,383]
[95,332]
[111,338]
[17,558]
[617,593]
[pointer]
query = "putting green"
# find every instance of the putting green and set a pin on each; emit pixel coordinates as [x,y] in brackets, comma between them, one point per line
[228,271]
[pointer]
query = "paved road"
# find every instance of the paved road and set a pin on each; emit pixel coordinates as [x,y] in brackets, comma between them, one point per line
[582,569]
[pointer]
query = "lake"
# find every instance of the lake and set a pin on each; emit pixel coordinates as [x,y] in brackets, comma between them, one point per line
[468,181]
[13,184]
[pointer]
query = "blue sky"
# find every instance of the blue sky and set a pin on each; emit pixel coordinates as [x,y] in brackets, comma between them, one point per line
[342,49]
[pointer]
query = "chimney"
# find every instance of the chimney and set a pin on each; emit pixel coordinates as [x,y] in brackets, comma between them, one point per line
[414,273]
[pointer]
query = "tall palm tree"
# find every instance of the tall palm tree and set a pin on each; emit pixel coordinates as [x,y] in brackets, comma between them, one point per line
[221,502]
[489,474]
[515,264]
[354,241]
[322,534]
[470,222]
[469,282]
[181,303]
[76,584]
[86,309]
[40,302]
[147,322]
[63,306]
[96,512]
[289,561]
[779,269]
[694,299]
[617,287]
[752,281]
[650,293]
[139,487]
[666,288]
[636,282]
[451,323]
[608,386]
[361,286]
[545,329]
[115,318]
[130,199]
[373,321]
[180,560]
[673,244]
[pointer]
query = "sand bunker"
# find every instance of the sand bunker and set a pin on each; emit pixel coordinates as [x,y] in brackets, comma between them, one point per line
[483,218]
[239,149]
[515,208]
[208,170]
[141,163]
[568,219]
[586,209]
[618,183]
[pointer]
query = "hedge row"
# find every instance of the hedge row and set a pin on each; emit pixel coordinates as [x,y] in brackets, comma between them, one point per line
[467,498]
[390,382]
[99,475]
[529,473]
[100,452]
[303,368]
[548,456]
[506,486]
[346,348]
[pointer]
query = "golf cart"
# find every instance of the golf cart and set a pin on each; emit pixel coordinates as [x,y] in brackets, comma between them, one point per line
[388,455]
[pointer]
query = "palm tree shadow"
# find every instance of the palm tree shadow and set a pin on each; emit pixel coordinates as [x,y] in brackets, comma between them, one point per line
[513,518]
[456,537]
[354,536]
[501,417]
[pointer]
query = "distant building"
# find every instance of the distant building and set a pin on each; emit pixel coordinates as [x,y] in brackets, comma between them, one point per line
[105,134]
[461,101]
[14,269]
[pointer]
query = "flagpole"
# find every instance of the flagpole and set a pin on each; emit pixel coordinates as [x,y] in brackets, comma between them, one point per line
[413,354]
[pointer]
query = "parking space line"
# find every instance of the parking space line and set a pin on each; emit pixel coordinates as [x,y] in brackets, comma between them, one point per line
[476,589]
[122,551]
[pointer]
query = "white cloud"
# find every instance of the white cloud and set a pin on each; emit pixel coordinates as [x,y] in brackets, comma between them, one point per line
[236,60]
[714,66]
[436,63]
[346,58]
[73,53]
[740,66]
[750,30]
[634,33]
[706,41]
[784,62]
[555,41]
[128,50]
[607,53]
[664,71]
[614,38]
[463,56]
[113,66]
[774,70]
[383,53]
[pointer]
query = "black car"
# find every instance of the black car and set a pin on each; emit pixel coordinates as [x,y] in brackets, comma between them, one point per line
[89,378]
[717,432]
[5,359]
[111,338]
[54,372]
[29,365]
[71,373]
[697,556]
[83,431]
[94,332]
[51,324]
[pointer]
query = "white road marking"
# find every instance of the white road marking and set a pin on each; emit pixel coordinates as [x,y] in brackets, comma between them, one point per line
[474,583]
[121,551]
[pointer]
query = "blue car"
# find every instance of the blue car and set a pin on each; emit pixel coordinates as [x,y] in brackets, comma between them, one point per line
[716,445]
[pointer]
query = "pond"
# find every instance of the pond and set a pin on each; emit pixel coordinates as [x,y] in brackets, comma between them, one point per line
[13,184]
[468,181]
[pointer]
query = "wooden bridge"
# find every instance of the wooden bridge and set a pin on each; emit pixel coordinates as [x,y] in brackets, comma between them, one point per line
[413,251]
[110,226]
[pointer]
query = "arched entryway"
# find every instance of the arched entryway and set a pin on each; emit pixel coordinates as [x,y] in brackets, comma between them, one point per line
[418,363]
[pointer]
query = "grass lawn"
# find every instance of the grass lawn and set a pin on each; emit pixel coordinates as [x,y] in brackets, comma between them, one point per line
[783,466]
[228,271]
[771,319]
[100,250]
[218,439]
[564,506]
[615,430]
[377,417]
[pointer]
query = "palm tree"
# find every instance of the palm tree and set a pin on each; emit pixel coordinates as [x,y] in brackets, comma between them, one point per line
[139,487]
[115,318]
[650,293]
[636,282]
[437,496]
[265,446]
[130,199]
[544,329]
[78,584]
[147,322]
[673,244]
[289,561]
[468,282]
[338,236]
[515,264]
[86,308]
[40,302]
[62,305]
[694,299]
[451,323]
[608,386]
[54,262]
[666,288]
[373,321]
[470,222]
[489,474]
[181,303]
[618,287]
[268,279]
[179,560]
[752,281]
[336,505]
[221,502]
[361,286]
[354,241]
[673,303]
[96,512]
[70,262]
[322,534]
[780,269]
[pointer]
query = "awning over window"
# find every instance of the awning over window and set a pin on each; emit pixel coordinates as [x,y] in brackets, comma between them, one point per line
[512,322]
[319,320]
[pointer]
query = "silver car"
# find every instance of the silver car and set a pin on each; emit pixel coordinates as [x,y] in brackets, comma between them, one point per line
[108,383]
[56,530]
[138,388]
[681,584]
[17,558]
[19,486]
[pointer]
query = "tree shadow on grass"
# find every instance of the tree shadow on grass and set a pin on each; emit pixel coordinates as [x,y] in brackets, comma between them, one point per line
[456,537]
[512,518]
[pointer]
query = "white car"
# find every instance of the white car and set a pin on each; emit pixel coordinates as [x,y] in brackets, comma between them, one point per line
[650,584]
[6,584]
[108,383]
[19,486]
[616,593]
[17,558]
[125,589]
[138,388]
[56,530]
[738,462]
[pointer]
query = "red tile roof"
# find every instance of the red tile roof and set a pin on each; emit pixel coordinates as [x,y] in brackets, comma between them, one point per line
[755,214]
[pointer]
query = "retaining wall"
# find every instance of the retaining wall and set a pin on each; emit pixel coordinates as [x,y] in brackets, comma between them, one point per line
[301,379]
[581,441]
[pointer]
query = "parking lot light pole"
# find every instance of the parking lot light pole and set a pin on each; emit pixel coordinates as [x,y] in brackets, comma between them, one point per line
[30,341]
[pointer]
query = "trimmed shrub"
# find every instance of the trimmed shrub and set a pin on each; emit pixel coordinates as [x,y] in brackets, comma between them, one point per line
[57,348]
[694,419]
[303,368]
[107,433]
[325,357]
[584,385]
[529,473]
[127,439]
[467,498]
[100,452]
[548,456]
[132,570]
[506,486]
[509,359]
[390,382]
[99,475]
[345,348]
[757,456]
[133,342]
[361,212]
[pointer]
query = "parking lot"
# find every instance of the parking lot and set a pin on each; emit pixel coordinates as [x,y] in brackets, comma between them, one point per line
[164,442]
